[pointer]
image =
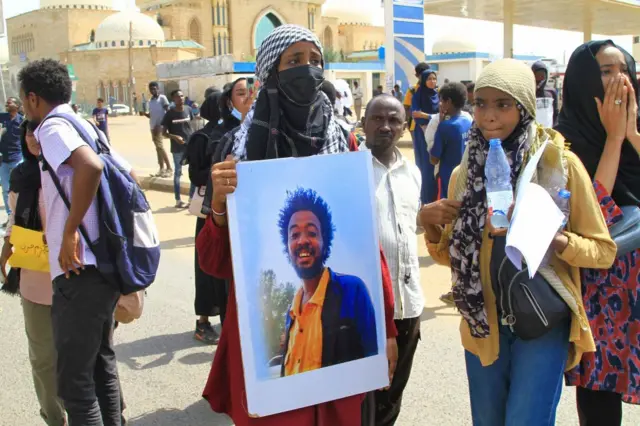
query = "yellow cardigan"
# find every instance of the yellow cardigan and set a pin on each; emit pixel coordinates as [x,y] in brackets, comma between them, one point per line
[590,246]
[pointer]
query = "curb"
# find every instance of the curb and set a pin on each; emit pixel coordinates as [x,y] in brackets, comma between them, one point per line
[163,185]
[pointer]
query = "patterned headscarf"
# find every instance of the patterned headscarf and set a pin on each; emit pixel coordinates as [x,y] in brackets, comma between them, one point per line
[276,43]
[517,80]
[273,120]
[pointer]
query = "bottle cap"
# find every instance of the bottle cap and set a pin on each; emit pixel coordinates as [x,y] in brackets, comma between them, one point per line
[495,142]
[563,193]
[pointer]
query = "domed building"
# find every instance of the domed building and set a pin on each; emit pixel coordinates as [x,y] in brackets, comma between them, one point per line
[457,58]
[93,39]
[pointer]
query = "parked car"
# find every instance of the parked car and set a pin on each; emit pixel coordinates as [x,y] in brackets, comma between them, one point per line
[119,109]
[275,366]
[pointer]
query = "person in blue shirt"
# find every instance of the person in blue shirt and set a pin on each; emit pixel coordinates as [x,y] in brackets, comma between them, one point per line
[100,117]
[10,147]
[451,136]
[334,309]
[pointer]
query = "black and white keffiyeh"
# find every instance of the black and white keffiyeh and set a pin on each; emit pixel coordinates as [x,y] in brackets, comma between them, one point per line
[275,127]
[466,238]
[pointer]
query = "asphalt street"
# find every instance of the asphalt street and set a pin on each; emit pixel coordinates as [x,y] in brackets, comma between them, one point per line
[163,369]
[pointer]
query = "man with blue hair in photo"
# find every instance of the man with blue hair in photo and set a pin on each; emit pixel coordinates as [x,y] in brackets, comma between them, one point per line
[332,319]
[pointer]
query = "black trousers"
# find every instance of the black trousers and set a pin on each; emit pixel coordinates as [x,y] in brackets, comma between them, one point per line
[599,408]
[211,293]
[388,402]
[87,374]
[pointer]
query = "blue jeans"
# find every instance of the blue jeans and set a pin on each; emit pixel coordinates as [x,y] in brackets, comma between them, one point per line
[5,175]
[523,386]
[177,173]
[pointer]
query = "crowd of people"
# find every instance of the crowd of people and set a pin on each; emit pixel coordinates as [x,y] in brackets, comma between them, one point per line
[592,151]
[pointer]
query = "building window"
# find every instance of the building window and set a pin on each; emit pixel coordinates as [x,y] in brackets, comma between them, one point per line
[265,26]
[224,13]
[218,13]
[148,42]
[121,43]
[194,30]
[226,44]
[140,43]
[636,39]
[113,44]
[219,44]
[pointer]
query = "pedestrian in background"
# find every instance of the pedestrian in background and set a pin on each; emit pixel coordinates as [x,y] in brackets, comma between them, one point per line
[27,211]
[398,93]
[158,106]
[425,103]
[397,189]
[210,292]
[513,381]
[101,116]
[357,99]
[176,125]
[451,136]
[10,148]
[604,135]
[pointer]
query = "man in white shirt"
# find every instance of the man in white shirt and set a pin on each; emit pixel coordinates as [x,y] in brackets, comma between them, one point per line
[357,99]
[397,185]
[83,301]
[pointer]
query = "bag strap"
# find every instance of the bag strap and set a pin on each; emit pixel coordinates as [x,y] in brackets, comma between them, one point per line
[46,167]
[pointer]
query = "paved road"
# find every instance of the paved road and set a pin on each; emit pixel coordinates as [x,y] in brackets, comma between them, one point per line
[164,370]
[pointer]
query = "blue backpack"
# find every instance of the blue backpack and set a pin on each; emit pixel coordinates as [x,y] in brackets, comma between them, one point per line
[128,248]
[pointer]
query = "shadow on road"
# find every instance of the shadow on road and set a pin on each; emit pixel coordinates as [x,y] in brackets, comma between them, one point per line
[198,414]
[177,243]
[166,346]
[167,210]
[432,313]
[426,261]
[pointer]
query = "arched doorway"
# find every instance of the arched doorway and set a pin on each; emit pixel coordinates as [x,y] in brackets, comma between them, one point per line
[194,30]
[266,24]
[328,39]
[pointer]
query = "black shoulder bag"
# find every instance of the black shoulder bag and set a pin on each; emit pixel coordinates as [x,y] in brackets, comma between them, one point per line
[530,307]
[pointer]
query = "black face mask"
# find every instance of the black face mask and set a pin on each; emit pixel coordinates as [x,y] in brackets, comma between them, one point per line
[301,84]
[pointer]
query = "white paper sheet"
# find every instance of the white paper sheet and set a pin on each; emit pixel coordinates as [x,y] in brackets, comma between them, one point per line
[535,222]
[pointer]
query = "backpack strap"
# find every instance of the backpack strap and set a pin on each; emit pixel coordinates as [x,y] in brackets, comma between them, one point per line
[54,177]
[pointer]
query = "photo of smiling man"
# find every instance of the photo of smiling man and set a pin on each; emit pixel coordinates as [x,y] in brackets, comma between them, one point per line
[331,319]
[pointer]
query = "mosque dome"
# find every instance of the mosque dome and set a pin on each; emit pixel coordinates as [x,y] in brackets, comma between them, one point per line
[114,30]
[453,44]
[76,4]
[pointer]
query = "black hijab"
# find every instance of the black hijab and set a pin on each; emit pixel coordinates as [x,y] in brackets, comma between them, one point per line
[25,181]
[580,123]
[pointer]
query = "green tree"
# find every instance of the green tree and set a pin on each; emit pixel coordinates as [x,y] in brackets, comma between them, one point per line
[276,299]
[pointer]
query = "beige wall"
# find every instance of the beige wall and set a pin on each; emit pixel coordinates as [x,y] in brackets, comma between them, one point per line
[244,16]
[178,17]
[357,37]
[54,30]
[96,67]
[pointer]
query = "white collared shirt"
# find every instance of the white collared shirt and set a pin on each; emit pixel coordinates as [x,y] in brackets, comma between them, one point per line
[398,200]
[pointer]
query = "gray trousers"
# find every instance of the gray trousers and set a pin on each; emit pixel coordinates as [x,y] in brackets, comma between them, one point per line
[42,355]
[82,314]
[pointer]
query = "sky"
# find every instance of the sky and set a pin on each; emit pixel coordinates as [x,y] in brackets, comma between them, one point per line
[527,40]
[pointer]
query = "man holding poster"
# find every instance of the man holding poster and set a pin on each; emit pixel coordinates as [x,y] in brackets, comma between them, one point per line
[332,319]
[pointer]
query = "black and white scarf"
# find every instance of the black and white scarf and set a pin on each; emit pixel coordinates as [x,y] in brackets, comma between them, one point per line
[275,127]
[466,238]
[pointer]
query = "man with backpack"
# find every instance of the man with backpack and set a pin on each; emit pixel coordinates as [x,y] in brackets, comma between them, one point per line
[82,268]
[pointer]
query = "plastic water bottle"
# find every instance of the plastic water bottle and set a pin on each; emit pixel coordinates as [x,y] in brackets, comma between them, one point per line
[499,189]
[562,201]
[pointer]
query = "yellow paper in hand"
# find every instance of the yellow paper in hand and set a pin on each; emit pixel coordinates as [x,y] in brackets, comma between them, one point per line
[29,250]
